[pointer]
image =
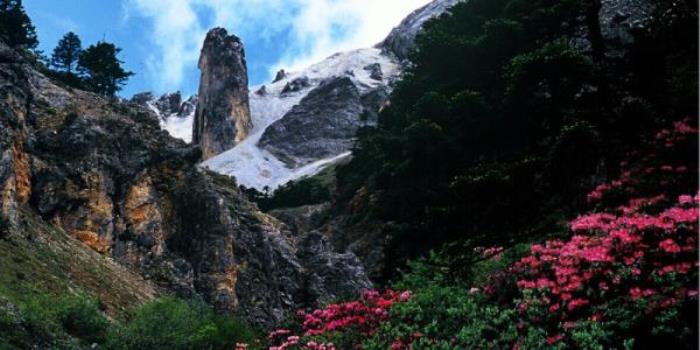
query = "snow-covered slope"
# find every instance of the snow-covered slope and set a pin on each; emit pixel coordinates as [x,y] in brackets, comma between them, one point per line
[257,168]
[179,126]
[175,116]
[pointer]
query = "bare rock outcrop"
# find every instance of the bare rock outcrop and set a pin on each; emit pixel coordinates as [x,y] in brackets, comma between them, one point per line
[323,124]
[222,118]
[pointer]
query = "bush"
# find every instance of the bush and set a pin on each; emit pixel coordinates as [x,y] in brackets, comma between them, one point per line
[169,323]
[81,317]
[438,317]
[50,321]
[307,190]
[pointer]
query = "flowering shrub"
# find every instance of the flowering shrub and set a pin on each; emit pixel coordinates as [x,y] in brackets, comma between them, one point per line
[638,259]
[627,274]
[630,260]
[344,323]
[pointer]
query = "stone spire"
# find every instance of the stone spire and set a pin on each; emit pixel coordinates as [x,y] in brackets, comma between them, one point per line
[222,118]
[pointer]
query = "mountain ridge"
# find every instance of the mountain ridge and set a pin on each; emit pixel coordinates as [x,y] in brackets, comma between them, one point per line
[372,70]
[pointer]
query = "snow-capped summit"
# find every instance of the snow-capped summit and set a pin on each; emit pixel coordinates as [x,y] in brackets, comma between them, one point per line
[276,107]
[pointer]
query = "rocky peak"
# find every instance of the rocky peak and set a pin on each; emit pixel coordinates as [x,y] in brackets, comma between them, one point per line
[142,98]
[166,105]
[188,107]
[169,103]
[401,39]
[281,74]
[222,117]
[322,125]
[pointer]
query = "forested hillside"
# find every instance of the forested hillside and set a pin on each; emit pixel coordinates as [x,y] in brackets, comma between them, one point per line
[510,113]
[532,184]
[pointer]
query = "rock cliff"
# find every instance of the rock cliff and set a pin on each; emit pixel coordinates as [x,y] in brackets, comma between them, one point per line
[322,125]
[401,39]
[104,173]
[222,118]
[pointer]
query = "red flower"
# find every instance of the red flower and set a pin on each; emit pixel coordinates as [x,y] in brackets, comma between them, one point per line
[555,338]
[670,246]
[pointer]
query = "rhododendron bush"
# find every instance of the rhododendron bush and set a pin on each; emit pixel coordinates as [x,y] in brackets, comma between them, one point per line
[631,263]
[338,326]
[626,276]
[632,260]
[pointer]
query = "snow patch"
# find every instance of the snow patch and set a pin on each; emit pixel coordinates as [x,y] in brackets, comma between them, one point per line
[257,168]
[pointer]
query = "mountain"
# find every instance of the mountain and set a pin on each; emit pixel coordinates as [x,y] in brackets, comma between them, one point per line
[303,121]
[101,175]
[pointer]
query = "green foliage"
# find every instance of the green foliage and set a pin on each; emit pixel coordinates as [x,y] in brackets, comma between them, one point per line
[438,317]
[305,191]
[60,321]
[65,55]
[76,321]
[102,69]
[499,125]
[170,323]
[16,27]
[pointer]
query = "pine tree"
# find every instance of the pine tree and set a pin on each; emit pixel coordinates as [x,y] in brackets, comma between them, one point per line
[65,55]
[16,27]
[102,69]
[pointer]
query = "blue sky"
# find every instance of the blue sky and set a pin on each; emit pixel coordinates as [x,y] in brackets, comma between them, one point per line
[160,39]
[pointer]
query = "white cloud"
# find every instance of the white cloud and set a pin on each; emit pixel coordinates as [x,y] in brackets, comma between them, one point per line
[179,27]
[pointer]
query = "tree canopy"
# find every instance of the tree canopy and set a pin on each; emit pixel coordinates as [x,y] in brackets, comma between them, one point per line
[103,71]
[16,27]
[67,52]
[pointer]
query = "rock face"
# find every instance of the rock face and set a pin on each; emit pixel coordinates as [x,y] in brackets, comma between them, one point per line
[222,118]
[321,125]
[300,123]
[401,39]
[106,174]
[618,20]
[15,184]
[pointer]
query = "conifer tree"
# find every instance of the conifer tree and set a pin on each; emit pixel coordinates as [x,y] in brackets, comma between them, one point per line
[102,69]
[16,27]
[67,52]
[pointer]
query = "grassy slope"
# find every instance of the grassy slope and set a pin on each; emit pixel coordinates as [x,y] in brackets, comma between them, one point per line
[38,259]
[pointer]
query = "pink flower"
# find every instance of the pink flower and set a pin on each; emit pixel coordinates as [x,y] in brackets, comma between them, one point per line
[554,307]
[555,338]
[685,199]
[669,246]
[398,345]
[576,303]
[569,325]
[635,293]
